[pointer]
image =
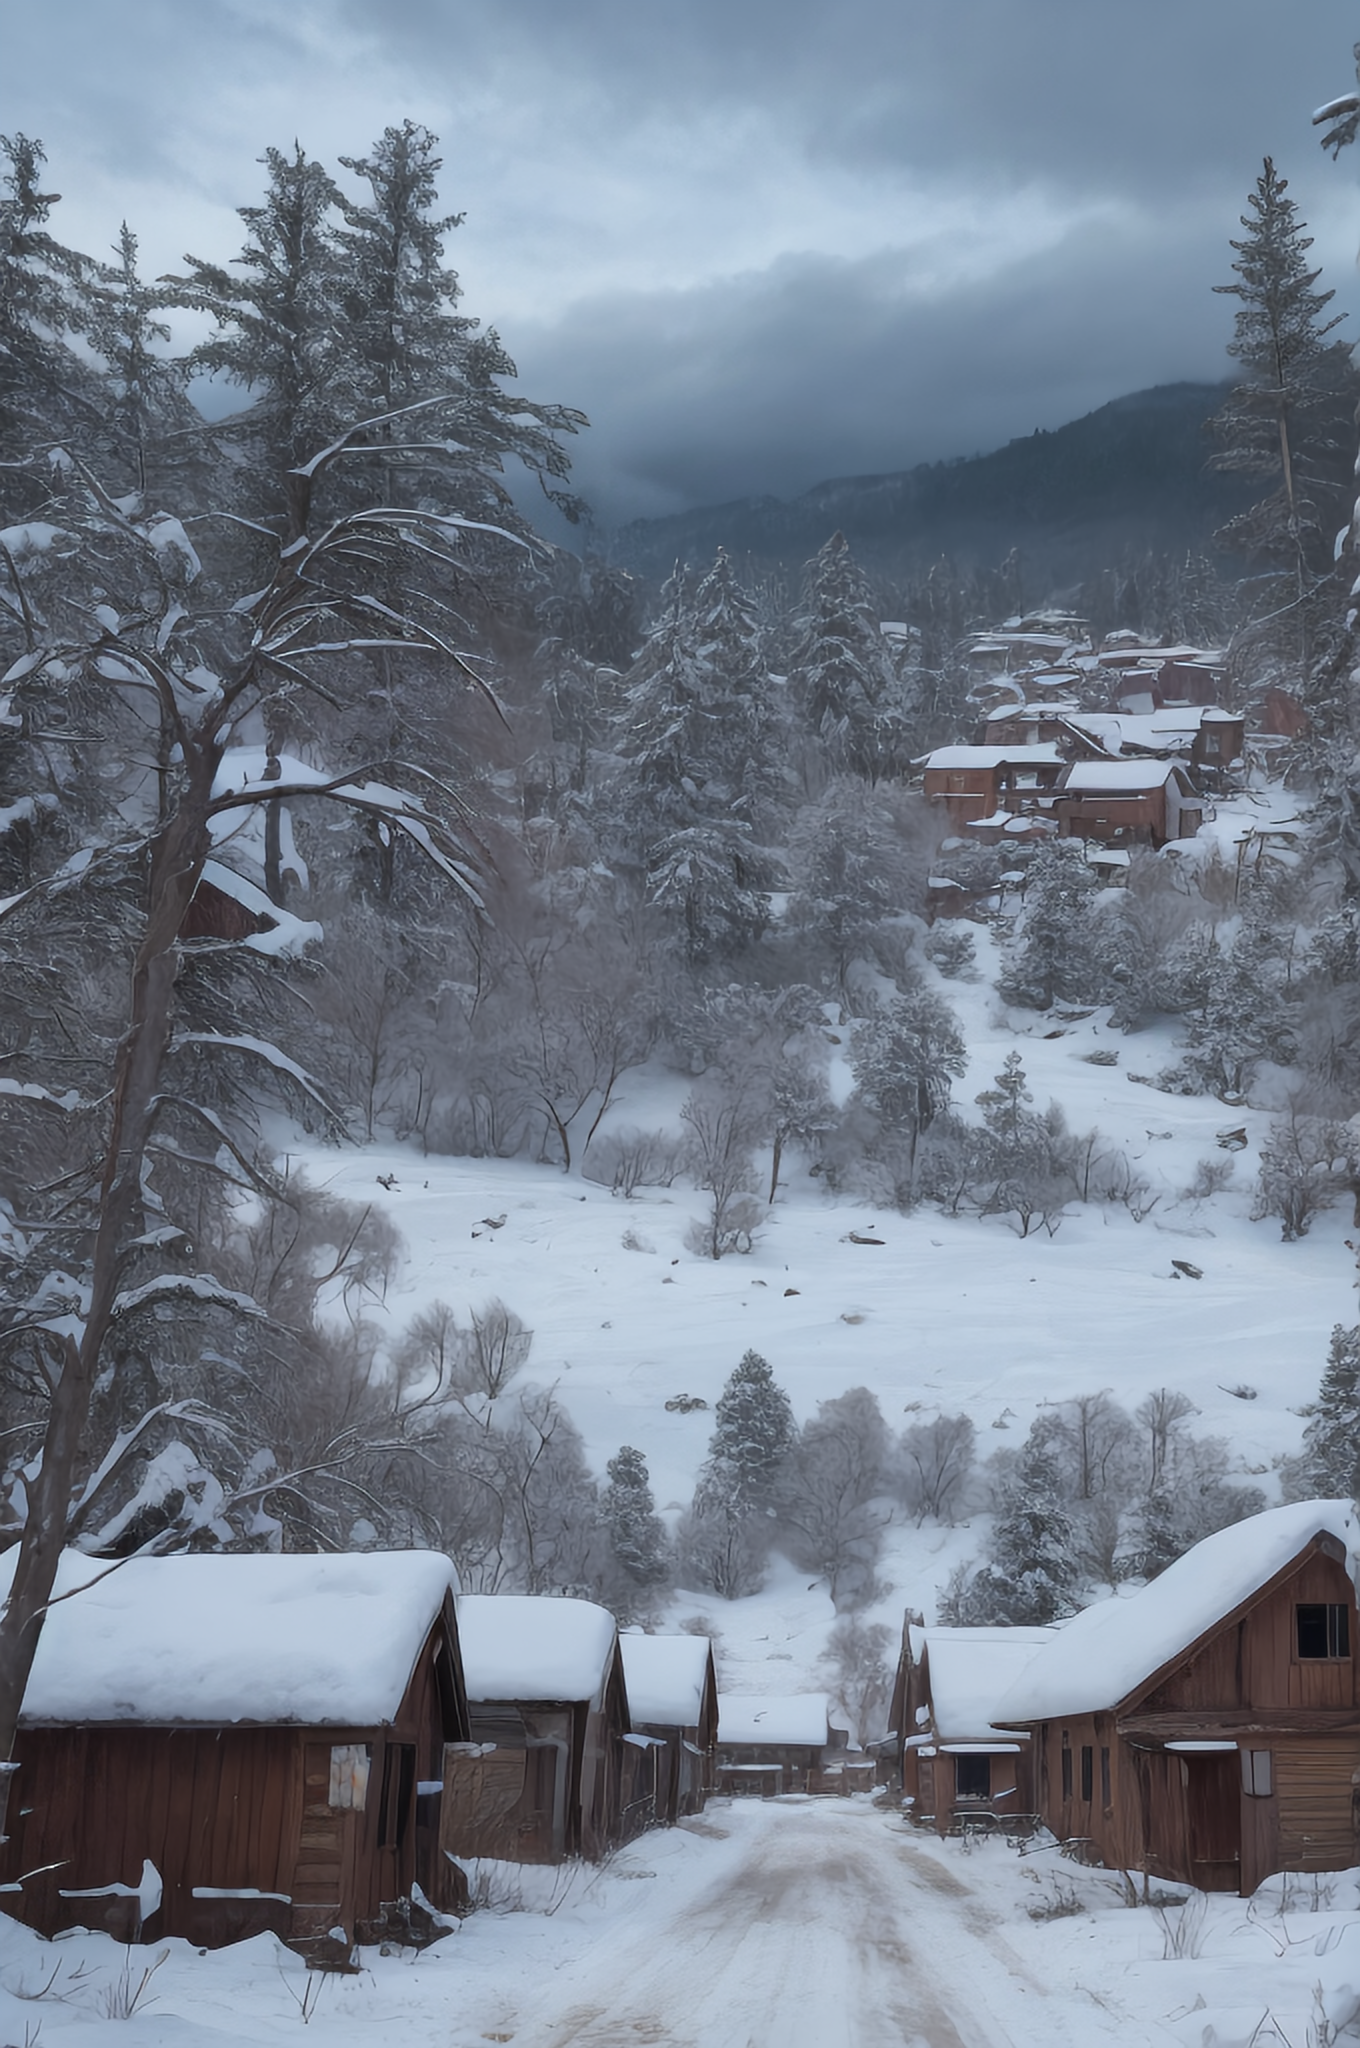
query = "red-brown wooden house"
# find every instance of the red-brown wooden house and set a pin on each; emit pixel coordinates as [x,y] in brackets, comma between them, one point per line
[979,782]
[214,1747]
[1207,1728]
[1128,803]
[544,1773]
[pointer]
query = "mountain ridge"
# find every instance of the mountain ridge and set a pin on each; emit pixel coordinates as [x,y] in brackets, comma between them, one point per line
[1129,476]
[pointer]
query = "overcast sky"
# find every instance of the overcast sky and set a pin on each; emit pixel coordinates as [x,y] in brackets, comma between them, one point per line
[759,242]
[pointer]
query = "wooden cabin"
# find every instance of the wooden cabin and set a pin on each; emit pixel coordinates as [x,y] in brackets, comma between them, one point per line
[957,1765]
[1128,803]
[768,1745]
[544,1773]
[980,782]
[673,1706]
[1207,1728]
[214,1747]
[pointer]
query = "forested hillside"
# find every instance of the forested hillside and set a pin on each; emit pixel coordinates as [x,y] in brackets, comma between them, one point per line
[1133,477]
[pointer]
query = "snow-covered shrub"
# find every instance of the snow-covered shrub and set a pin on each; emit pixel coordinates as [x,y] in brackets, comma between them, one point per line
[935,1464]
[1306,1163]
[952,949]
[624,1161]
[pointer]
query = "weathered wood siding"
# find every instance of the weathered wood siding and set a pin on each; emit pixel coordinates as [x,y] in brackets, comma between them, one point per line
[238,1809]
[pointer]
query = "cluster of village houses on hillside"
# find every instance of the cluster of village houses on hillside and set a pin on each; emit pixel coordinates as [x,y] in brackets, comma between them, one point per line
[1121,745]
[217,1746]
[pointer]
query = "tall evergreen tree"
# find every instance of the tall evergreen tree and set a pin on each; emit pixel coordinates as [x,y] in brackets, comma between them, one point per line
[842,672]
[700,733]
[49,392]
[1287,420]
[1034,1574]
[637,1535]
[1329,1467]
[726,1535]
[279,320]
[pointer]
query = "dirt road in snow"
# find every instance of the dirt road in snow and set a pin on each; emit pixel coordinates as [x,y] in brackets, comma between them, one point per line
[835,1930]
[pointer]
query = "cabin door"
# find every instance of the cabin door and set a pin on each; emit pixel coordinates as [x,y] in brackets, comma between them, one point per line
[1213,1798]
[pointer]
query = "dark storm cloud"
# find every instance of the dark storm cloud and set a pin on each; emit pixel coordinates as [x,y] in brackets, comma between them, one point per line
[1082,91]
[820,368]
[759,241]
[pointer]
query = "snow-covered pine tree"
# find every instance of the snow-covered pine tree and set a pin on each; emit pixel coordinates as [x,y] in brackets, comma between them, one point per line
[156,441]
[1244,1002]
[841,671]
[753,1429]
[1056,955]
[1288,420]
[857,861]
[1034,1572]
[699,743]
[48,388]
[637,1536]
[405,344]
[726,1535]
[1025,1156]
[279,324]
[904,1056]
[1328,1467]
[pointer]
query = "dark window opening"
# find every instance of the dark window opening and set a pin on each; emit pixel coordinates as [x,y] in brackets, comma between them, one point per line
[973,1777]
[398,1789]
[1106,1796]
[1322,1629]
[1087,1763]
[1066,1765]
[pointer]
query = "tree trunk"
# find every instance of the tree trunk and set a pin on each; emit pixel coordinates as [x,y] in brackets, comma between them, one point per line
[176,863]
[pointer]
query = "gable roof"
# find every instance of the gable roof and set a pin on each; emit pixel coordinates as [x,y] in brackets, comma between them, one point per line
[527,1646]
[214,1640]
[796,1719]
[666,1677]
[969,1670]
[1116,1647]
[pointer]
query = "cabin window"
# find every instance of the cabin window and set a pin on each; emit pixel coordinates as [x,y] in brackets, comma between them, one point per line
[1066,1765]
[1256,1778]
[349,1776]
[1106,1796]
[398,1786]
[1322,1629]
[1087,1771]
[973,1777]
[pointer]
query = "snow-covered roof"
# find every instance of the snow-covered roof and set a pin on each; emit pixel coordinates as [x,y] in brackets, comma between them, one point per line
[991,757]
[1117,777]
[210,1640]
[520,1646]
[799,1718]
[665,1678]
[970,1670]
[1106,1652]
[1032,713]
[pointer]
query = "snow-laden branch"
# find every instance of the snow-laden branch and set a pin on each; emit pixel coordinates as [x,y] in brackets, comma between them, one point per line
[188,1287]
[260,1049]
[127,1440]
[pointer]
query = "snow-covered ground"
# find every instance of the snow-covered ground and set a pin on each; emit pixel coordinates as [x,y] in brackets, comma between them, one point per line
[788,1924]
[943,1314]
